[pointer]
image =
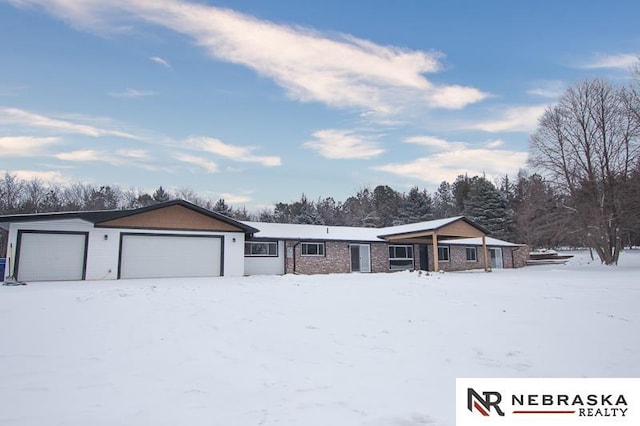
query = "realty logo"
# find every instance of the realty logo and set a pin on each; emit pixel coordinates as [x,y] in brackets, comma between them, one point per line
[484,405]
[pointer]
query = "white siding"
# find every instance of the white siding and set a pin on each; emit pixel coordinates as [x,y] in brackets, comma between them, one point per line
[164,256]
[102,254]
[266,265]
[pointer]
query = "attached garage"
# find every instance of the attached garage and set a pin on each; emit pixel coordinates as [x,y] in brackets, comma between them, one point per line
[170,255]
[51,256]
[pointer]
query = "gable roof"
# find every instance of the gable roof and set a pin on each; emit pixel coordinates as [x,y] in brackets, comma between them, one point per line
[293,231]
[290,231]
[100,216]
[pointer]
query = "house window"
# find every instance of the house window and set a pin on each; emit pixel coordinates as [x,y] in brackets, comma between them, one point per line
[313,249]
[400,257]
[443,253]
[260,248]
[472,254]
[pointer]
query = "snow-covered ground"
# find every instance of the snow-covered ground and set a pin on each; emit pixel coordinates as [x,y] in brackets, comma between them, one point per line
[373,350]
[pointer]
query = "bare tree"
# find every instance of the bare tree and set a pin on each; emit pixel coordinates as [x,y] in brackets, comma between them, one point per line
[588,146]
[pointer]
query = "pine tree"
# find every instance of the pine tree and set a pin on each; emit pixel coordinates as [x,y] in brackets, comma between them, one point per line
[486,206]
[416,206]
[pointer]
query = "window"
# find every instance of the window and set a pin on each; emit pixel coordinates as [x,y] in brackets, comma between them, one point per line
[472,254]
[313,249]
[443,253]
[260,248]
[400,258]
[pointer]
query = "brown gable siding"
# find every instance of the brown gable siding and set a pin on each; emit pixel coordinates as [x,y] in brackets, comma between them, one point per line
[171,217]
[460,228]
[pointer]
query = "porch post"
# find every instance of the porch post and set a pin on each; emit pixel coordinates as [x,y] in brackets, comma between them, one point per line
[485,253]
[435,252]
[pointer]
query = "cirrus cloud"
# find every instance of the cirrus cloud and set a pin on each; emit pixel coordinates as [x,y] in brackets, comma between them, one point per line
[452,159]
[343,144]
[338,70]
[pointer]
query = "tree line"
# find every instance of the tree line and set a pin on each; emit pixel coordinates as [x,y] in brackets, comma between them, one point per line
[582,188]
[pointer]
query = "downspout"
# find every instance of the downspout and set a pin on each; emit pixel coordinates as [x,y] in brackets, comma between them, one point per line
[294,257]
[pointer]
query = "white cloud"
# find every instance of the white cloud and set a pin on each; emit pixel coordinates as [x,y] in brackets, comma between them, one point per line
[208,166]
[52,177]
[343,144]
[24,146]
[235,198]
[513,119]
[88,155]
[551,89]
[136,154]
[622,61]
[433,142]
[33,120]
[338,70]
[159,60]
[242,154]
[132,93]
[456,158]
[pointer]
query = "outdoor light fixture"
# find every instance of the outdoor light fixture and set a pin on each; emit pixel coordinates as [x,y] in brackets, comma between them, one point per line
[106,237]
[233,239]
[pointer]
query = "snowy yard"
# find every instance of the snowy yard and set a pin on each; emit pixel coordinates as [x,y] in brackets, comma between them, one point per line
[373,350]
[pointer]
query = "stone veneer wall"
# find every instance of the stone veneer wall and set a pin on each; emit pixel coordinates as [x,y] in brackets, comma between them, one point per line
[520,256]
[337,258]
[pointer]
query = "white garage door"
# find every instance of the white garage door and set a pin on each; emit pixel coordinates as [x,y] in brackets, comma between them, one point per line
[165,256]
[51,256]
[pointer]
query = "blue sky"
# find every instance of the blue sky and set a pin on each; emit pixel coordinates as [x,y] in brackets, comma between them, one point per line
[261,101]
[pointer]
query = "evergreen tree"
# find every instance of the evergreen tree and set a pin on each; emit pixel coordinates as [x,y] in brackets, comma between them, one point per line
[223,208]
[486,206]
[460,190]
[161,195]
[415,207]
[444,202]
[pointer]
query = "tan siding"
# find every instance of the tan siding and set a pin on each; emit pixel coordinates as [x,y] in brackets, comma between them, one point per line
[460,228]
[172,217]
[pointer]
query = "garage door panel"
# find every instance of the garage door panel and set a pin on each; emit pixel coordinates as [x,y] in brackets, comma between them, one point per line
[51,256]
[167,256]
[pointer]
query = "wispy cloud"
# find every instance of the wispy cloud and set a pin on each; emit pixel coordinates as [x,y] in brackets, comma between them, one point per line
[337,70]
[434,142]
[622,61]
[455,158]
[132,93]
[159,60]
[235,198]
[242,154]
[51,177]
[88,155]
[343,144]
[512,119]
[207,165]
[135,154]
[551,89]
[33,120]
[24,146]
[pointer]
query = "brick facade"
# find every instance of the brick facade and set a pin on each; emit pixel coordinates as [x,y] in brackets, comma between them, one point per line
[337,258]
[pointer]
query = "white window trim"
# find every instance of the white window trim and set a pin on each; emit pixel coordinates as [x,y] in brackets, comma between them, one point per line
[475,249]
[261,255]
[409,246]
[312,255]
[448,254]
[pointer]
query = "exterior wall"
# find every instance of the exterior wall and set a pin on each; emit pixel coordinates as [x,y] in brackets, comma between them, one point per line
[520,256]
[266,265]
[337,258]
[379,257]
[457,259]
[103,253]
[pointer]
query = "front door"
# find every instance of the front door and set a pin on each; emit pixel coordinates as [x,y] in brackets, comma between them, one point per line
[360,258]
[495,256]
[424,257]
